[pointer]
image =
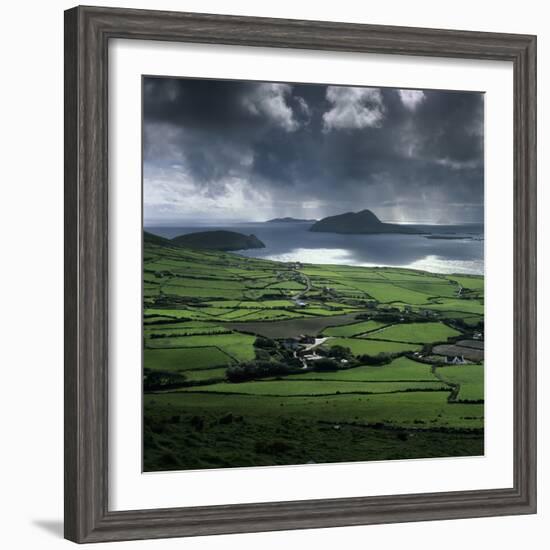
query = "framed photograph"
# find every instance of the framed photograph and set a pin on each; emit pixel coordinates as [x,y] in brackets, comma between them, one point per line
[300,274]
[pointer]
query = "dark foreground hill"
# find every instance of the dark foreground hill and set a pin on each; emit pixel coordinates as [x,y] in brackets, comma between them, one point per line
[150,238]
[363,222]
[218,240]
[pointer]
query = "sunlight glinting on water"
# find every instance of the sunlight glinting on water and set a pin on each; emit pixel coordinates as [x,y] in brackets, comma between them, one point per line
[339,256]
[315,256]
[436,264]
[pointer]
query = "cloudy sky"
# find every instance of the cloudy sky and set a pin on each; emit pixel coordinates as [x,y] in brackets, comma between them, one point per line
[219,151]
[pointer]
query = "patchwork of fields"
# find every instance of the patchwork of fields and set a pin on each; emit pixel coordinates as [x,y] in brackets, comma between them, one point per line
[253,362]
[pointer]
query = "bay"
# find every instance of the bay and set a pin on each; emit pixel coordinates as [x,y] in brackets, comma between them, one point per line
[442,249]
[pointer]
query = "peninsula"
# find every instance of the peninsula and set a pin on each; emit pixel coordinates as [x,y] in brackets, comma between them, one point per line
[225,241]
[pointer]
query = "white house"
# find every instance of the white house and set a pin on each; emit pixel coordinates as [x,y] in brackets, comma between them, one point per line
[455,360]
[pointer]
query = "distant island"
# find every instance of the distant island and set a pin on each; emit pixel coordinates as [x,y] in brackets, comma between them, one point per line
[447,237]
[360,223]
[289,220]
[225,241]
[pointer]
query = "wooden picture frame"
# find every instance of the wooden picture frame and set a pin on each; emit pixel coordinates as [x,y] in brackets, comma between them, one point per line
[87,34]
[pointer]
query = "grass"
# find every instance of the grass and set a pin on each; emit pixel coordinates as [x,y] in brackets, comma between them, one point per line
[289,285]
[202,312]
[185,359]
[196,282]
[205,374]
[405,409]
[370,347]
[470,282]
[415,333]
[236,345]
[353,329]
[465,306]
[386,292]
[268,315]
[163,330]
[400,369]
[153,324]
[183,438]
[434,289]
[187,313]
[267,304]
[400,275]
[297,387]
[291,327]
[469,379]
[197,292]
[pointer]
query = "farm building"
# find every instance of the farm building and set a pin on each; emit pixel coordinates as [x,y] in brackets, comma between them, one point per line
[455,359]
[466,352]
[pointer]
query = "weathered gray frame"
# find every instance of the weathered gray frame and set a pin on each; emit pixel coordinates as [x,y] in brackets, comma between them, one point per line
[87,34]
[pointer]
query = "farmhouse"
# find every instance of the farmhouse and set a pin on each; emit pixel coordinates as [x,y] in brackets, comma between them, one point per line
[460,351]
[455,360]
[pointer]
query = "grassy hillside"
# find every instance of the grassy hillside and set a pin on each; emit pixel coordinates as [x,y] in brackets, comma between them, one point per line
[253,362]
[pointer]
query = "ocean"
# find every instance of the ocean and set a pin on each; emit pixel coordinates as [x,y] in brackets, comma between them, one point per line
[444,249]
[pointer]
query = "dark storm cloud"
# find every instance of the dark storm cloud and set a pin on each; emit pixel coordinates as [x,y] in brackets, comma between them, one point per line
[247,150]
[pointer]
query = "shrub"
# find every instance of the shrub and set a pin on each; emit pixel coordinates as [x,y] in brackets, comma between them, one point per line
[258,369]
[263,342]
[375,360]
[340,352]
[262,354]
[325,365]
[154,380]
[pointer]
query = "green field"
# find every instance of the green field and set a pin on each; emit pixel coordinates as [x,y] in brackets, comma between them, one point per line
[415,333]
[359,346]
[185,359]
[469,379]
[399,370]
[230,379]
[206,374]
[316,387]
[354,329]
